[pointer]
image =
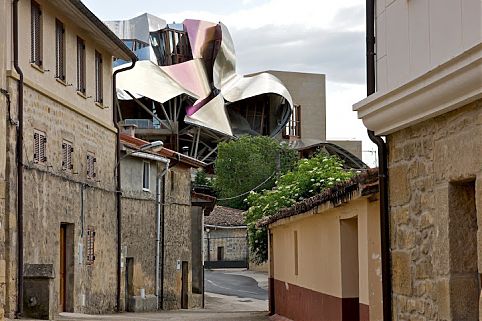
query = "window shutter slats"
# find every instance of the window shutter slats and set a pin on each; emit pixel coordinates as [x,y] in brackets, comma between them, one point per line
[35,34]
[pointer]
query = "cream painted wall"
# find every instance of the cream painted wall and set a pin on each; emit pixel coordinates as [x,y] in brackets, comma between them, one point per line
[319,248]
[320,253]
[374,263]
[45,80]
[414,37]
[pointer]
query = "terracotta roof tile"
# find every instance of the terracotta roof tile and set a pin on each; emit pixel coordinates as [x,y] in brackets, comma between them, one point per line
[225,216]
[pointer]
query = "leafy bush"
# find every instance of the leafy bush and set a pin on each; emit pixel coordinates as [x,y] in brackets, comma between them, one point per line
[310,177]
[246,163]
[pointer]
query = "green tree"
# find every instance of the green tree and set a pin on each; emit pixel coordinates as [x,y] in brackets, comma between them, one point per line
[309,177]
[249,162]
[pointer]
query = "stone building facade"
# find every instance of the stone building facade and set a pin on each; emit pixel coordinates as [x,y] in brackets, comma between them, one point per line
[3,152]
[68,157]
[427,104]
[178,291]
[225,239]
[180,225]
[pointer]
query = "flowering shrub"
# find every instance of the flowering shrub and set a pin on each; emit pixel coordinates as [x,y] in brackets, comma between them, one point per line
[310,177]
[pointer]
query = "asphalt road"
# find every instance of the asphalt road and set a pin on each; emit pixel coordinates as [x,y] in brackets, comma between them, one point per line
[234,285]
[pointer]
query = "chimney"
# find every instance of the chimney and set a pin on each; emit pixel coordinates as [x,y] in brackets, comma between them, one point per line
[129,129]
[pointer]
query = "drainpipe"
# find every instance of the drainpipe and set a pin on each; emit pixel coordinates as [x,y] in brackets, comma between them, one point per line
[382,168]
[19,151]
[159,204]
[118,193]
[163,216]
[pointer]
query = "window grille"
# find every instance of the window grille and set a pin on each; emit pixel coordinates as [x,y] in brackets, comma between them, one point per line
[98,78]
[36,34]
[39,147]
[81,65]
[59,50]
[91,160]
[90,245]
[67,150]
[146,176]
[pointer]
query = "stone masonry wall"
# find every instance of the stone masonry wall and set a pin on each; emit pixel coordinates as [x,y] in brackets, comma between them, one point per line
[177,236]
[234,242]
[425,160]
[53,196]
[139,238]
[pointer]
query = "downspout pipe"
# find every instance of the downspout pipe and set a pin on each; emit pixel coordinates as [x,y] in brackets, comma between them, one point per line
[118,193]
[19,151]
[382,168]
[159,203]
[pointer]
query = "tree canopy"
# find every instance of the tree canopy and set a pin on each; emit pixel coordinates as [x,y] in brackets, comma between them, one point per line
[246,163]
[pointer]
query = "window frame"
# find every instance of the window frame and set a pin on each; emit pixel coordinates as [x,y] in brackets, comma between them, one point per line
[39,147]
[60,50]
[99,86]
[81,68]
[91,160]
[36,34]
[293,126]
[145,187]
[67,159]
[90,246]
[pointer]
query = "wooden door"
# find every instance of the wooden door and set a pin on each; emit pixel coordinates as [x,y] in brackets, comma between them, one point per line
[184,289]
[62,270]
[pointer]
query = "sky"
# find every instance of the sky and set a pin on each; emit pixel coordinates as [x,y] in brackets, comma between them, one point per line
[318,36]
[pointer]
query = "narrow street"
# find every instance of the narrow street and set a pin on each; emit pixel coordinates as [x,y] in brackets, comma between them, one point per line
[237,284]
[230,296]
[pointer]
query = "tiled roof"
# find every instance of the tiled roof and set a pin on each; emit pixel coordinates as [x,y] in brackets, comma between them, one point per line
[225,216]
[165,152]
[366,183]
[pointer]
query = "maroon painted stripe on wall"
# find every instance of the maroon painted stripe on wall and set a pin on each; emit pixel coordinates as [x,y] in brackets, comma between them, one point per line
[301,304]
[364,312]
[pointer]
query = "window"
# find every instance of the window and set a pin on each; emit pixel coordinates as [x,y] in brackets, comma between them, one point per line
[90,245]
[67,150]
[91,160]
[293,126]
[80,65]
[39,145]
[36,34]
[146,176]
[59,50]
[98,78]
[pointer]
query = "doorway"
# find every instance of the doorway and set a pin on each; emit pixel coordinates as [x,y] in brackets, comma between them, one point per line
[184,289]
[66,264]
[129,290]
[349,268]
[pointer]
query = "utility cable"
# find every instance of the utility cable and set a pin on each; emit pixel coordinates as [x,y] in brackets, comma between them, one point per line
[251,190]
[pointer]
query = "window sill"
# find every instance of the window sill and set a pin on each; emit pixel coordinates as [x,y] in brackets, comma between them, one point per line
[100,105]
[37,67]
[62,82]
[81,94]
[146,190]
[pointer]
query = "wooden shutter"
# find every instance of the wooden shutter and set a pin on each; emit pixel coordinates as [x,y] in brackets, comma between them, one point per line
[36,141]
[59,50]
[35,33]
[98,78]
[81,65]
[90,245]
